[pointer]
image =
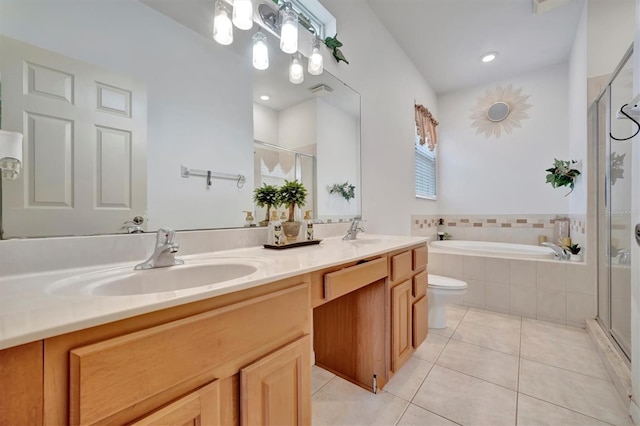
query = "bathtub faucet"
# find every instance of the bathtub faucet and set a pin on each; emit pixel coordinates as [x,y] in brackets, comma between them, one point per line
[559,252]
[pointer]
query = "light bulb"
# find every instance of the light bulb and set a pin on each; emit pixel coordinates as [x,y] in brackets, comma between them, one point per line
[289,30]
[243,14]
[315,65]
[296,71]
[260,51]
[222,27]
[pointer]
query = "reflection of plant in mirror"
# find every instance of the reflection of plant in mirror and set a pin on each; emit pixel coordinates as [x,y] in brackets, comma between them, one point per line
[334,44]
[292,194]
[617,172]
[346,190]
[266,196]
[574,248]
[561,174]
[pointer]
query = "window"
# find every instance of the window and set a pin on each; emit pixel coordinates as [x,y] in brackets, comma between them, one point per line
[425,164]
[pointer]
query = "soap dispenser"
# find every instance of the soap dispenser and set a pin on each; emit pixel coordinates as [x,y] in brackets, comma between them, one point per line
[249,219]
[275,235]
[309,221]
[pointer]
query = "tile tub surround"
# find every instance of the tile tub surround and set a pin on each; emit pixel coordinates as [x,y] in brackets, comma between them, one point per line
[549,290]
[462,377]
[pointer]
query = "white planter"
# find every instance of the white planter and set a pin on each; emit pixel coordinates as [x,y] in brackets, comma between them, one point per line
[576,258]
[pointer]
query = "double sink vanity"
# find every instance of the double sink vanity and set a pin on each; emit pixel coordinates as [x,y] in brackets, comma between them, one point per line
[226,338]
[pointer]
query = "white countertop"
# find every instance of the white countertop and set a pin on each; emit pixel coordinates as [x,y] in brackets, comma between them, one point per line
[29,312]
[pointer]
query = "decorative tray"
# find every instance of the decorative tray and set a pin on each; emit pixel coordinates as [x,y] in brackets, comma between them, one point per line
[292,245]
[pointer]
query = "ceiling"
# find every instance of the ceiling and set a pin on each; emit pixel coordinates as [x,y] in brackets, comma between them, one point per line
[446,38]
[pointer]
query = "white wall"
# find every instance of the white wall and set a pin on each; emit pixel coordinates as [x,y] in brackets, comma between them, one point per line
[337,154]
[505,175]
[265,124]
[388,84]
[610,24]
[190,81]
[298,120]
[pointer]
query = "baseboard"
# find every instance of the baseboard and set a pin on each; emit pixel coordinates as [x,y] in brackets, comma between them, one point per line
[615,364]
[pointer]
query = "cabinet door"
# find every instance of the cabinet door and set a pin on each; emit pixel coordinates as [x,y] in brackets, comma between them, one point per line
[401,324]
[199,408]
[420,321]
[276,390]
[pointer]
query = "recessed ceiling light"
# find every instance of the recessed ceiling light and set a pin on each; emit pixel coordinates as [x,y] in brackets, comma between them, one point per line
[265,97]
[488,57]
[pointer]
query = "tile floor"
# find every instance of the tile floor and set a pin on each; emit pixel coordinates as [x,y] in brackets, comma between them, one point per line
[488,369]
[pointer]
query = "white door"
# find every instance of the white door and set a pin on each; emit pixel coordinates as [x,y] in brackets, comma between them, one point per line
[84,154]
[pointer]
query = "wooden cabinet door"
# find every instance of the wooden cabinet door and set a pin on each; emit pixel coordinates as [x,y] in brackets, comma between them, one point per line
[401,348]
[199,408]
[276,390]
[420,321]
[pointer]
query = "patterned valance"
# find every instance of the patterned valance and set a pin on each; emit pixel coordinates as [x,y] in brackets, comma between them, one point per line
[426,125]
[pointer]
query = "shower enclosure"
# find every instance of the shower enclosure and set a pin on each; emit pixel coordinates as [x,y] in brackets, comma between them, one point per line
[614,161]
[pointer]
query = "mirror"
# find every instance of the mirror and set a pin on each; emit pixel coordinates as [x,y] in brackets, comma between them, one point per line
[167,97]
[498,112]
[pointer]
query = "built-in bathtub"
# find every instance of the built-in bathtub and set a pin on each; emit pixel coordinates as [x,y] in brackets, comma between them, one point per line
[516,279]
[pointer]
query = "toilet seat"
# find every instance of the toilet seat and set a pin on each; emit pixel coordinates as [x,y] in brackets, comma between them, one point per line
[438,281]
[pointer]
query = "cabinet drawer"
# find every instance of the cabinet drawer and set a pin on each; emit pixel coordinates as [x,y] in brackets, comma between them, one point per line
[112,380]
[419,258]
[420,285]
[352,278]
[400,265]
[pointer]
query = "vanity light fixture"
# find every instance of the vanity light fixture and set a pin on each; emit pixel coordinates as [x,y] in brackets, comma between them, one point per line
[265,97]
[288,29]
[296,71]
[488,57]
[243,14]
[222,26]
[315,66]
[260,51]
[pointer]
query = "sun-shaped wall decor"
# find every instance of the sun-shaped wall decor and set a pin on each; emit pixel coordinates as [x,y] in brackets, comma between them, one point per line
[499,109]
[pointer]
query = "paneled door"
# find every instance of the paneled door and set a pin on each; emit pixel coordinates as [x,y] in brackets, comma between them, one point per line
[84,154]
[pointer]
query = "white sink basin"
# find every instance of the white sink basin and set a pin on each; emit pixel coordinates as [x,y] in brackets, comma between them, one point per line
[127,282]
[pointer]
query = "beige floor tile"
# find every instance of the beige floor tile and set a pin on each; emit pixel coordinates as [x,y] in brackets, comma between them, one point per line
[588,395]
[406,382]
[507,341]
[431,348]
[574,358]
[465,399]
[493,319]
[534,412]
[496,367]
[456,312]
[342,403]
[319,378]
[417,416]
[557,333]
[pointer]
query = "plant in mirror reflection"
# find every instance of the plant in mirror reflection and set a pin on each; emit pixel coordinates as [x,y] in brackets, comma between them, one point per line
[617,171]
[267,196]
[345,190]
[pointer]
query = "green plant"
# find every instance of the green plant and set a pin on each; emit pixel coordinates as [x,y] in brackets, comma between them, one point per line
[292,194]
[346,190]
[574,248]
[561,174]
[334,44]
[266,196]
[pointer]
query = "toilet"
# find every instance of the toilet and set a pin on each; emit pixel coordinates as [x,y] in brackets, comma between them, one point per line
[441,290]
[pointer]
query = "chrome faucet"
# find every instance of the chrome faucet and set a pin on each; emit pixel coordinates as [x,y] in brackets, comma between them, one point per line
[559,252]
[356,226]
[164,252]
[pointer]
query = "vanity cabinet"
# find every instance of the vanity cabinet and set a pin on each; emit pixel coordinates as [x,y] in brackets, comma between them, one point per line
[408,294]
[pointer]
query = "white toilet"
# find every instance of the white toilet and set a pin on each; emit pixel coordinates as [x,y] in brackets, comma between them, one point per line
[440,291]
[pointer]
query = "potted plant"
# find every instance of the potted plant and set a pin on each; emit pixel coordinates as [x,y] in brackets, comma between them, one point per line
[574,249]
[290,195]
[561,174]
[266,196]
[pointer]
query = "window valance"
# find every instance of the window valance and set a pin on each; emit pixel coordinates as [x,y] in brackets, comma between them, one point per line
[426,125]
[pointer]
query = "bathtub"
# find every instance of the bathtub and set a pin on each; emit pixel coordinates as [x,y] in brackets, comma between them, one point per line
[492,249]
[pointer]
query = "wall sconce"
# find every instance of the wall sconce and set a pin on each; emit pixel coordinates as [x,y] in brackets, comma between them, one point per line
[222,26]
[10,161]
[315,65]
[243,14]
[260,51]
[296,71]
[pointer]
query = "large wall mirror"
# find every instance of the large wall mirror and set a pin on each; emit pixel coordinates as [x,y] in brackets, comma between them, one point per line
[115,97]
